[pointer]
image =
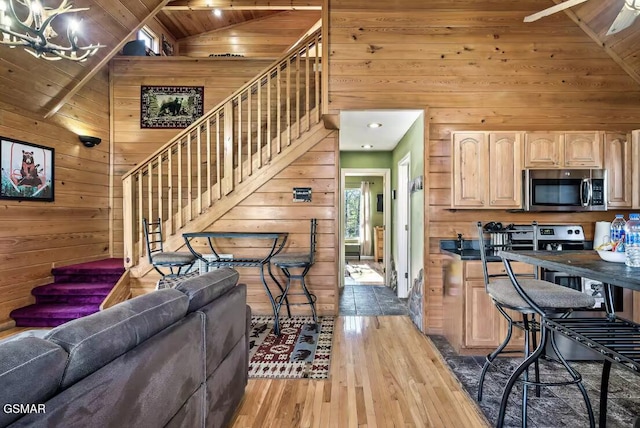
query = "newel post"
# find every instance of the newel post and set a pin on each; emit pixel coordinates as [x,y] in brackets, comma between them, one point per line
[127,220]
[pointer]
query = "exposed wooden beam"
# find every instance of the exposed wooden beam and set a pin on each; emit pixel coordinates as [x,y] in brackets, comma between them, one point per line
[589,32]
[89,75]
[244,5]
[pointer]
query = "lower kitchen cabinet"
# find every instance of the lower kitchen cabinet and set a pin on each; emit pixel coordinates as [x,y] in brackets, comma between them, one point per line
[473,324]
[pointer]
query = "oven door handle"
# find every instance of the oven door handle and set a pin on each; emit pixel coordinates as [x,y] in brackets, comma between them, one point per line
[586,192]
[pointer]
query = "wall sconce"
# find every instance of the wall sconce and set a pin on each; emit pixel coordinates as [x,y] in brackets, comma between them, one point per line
[89,141]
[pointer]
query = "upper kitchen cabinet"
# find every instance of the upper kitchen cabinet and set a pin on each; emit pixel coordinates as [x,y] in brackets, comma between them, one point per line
[486,170]
[635,168]
[505,170]
[562,150]
[582,149]
[543,150]
[617,162]
[470,167]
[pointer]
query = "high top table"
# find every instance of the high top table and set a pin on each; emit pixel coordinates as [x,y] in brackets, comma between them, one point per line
[614,338]
[278,240]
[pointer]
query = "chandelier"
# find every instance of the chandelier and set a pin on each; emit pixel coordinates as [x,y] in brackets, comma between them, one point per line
[29,25]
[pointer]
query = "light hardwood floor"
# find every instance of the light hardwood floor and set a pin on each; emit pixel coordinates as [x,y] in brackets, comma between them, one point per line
[384,373]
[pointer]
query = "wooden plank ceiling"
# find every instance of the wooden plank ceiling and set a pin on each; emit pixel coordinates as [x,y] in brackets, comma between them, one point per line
[38,85]
[253,28]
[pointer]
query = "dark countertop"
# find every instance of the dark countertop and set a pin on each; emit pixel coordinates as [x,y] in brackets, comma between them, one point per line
[586,263]
[470,250]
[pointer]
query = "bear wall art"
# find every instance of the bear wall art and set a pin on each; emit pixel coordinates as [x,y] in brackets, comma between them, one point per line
[27,171]
[170,106]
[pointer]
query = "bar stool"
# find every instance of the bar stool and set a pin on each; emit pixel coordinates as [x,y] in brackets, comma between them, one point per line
[174,261]
[541,297]
[302,261]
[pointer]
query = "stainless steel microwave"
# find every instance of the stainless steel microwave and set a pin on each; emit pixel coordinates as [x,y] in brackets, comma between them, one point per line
[565,189]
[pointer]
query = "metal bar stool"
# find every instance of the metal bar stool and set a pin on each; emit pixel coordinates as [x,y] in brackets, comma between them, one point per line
[172,260]
[542,297]
[302,261]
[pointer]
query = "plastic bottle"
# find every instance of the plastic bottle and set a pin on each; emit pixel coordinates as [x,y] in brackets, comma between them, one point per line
[632,241]
[618,231]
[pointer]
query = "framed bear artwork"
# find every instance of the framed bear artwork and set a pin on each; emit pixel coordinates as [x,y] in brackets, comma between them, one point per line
[170,106]
[27,171]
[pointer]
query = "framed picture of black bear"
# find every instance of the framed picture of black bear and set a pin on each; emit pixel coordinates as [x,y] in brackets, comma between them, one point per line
[27,171]
[170,106]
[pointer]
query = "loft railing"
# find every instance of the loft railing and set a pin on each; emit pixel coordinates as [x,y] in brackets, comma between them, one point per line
[225,147]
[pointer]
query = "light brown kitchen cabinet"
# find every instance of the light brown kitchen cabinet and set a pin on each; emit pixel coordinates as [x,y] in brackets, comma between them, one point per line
[473,324]
[486,170]
[618,163]
[563,150]
[635,169]
[543,150]
[481,316]
[470,166]
[505,170]
[582,149]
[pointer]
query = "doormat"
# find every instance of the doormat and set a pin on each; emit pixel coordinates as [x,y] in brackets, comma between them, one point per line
[299,352]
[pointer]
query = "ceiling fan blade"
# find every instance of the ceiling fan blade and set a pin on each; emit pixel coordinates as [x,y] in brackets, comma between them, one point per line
[553,9]
[624,19]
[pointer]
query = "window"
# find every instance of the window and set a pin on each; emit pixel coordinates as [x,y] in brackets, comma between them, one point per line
[352,213]
[149,38]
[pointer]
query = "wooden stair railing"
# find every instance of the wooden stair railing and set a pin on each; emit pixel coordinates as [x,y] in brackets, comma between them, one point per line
[230,145]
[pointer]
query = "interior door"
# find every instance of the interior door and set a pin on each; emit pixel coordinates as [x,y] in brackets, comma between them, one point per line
[403,232]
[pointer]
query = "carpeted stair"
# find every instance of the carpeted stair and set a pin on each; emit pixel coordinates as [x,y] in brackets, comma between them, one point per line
[77,291]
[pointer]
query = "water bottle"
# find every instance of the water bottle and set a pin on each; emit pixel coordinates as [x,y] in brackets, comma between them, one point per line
[632,240]
[617,231]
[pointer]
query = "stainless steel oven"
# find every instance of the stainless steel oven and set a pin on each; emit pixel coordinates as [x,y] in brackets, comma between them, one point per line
[565,189]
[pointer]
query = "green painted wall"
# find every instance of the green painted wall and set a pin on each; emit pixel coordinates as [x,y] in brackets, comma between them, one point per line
[412,142]
[365,159]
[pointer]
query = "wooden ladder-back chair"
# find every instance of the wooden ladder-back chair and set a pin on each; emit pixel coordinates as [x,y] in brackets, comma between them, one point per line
[174,261]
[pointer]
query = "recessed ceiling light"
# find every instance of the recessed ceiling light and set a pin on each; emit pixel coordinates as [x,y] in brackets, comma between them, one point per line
[367,146]
[217,12]
[374,125]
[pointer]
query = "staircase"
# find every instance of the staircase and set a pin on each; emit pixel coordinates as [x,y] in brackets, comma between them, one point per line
[227,154]
[77,291]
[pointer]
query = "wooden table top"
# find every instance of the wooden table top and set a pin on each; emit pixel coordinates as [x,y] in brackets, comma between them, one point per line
[584,263]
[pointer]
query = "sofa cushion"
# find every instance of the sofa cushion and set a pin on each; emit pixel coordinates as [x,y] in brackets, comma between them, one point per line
[30,372]
[100,338]
[224,326]
[205,288]
[144,388]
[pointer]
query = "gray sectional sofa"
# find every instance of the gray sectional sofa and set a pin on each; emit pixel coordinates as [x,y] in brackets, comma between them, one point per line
[172,358]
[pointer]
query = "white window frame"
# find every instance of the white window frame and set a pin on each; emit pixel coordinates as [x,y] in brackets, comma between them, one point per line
[150,39]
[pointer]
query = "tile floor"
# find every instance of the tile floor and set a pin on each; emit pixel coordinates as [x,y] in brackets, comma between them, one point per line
[560,406]
[371,300]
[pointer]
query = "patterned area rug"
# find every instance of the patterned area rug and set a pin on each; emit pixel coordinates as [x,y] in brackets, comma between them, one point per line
[299,352]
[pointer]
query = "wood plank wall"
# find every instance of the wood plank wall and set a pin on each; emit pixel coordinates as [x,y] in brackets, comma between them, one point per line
[75,227]
[267,37]
[270,209]
[220,78]
[478,67]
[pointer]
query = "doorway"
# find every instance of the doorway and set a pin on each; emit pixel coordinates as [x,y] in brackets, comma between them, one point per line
[365,231]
